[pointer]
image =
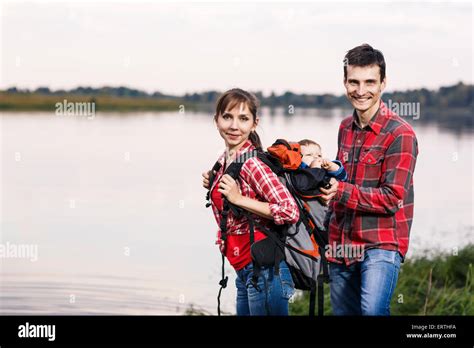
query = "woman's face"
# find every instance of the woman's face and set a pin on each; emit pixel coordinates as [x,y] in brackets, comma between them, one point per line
[235,125]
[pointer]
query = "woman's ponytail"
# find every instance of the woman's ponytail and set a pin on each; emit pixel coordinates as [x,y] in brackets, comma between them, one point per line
[255,139]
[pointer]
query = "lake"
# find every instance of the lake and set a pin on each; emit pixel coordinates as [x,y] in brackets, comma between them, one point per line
[112,209]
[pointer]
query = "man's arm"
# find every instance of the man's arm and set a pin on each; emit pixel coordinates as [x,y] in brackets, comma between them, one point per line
[400,160]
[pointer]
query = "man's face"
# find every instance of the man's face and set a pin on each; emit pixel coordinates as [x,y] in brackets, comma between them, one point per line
[363,86]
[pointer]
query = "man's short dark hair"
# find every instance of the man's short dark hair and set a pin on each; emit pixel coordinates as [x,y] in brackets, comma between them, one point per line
[364,55]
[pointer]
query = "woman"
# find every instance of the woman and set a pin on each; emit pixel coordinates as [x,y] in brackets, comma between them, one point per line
[257,190]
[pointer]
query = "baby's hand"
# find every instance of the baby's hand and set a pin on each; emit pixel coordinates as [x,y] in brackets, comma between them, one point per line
[316,163]
[329,165]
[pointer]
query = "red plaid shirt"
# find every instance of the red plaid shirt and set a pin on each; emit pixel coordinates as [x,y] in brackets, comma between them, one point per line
[256,181]
[374,208]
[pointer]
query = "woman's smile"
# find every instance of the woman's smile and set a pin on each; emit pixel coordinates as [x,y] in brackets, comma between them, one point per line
[233,136]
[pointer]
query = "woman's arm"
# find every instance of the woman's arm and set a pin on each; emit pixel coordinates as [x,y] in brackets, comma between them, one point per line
[269,188]
[228,187]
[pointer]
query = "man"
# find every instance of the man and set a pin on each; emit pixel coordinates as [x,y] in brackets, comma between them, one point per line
[373,211]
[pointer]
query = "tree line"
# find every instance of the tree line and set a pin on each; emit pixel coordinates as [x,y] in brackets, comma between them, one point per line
[459,95]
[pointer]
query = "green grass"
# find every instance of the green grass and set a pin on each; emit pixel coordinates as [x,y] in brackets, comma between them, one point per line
[41,102]
[439,285]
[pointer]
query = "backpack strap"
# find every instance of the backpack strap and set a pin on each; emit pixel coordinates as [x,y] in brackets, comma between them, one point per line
[234,171]
[256,268]
[323,278]
[320,296]
[212,176]
[223,284]
[312,298]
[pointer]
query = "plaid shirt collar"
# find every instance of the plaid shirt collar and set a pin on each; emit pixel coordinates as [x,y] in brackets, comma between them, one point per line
[246,147]
[377,122]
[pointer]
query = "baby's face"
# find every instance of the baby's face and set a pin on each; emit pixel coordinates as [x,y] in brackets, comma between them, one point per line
[310,153]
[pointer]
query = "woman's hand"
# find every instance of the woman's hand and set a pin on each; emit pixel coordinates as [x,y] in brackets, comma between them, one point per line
[228,187]
[205,179]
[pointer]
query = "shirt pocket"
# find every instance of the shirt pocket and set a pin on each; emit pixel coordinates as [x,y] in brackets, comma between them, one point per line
[371,162]
[372,157]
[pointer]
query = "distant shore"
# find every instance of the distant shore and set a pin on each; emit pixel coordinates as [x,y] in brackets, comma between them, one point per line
[41,102]
[450,107]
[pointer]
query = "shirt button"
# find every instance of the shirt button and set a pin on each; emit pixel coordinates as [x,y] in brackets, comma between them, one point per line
[358,141]
[355,160]
[369,160]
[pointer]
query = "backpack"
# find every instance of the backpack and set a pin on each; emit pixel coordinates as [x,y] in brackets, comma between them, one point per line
[301,244]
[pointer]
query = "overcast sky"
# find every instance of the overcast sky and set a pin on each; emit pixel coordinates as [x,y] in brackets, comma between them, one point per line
[191,47]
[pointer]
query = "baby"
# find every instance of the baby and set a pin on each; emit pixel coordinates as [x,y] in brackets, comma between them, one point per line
[312,158]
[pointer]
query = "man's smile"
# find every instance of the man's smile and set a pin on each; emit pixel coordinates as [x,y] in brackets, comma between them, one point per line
[361,99]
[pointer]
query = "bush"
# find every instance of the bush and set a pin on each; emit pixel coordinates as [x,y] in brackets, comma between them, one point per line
[440,285]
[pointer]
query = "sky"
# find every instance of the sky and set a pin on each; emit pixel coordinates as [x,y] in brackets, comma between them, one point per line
[187,47]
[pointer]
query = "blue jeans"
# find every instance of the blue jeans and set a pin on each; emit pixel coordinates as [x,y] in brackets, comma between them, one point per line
[272,295]
[366,287]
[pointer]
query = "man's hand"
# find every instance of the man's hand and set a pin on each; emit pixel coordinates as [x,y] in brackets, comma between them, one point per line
[330,192]
[228,187]
[205,179]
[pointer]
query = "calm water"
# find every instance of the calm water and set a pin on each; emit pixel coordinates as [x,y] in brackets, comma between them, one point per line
[115,207]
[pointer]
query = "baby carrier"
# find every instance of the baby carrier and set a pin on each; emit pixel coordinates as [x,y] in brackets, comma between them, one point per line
[302,244]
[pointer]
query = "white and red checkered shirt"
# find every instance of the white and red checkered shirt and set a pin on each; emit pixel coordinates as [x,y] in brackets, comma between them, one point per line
[259,182]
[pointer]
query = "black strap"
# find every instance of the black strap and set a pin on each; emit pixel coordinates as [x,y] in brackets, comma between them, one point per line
[212,176]
[223,284]
[323,277]
[320,296]
[256,268]
[251,227]
[223,228]
[224,217]
[234,171]
[312,298]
